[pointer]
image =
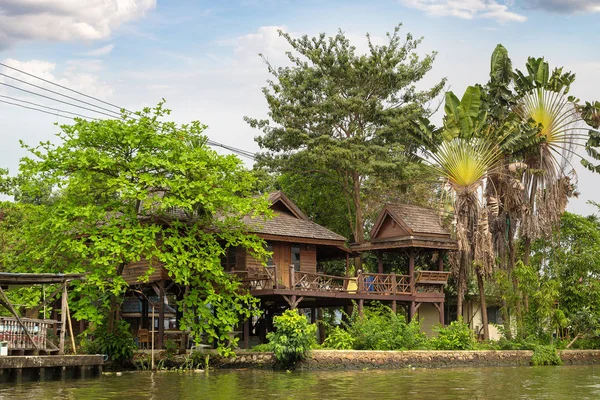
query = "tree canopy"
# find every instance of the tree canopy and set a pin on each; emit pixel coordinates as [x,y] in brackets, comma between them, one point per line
[344,115]
[132,189]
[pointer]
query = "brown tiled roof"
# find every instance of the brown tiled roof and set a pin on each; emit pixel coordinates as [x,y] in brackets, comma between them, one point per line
[287,225]
[418,219]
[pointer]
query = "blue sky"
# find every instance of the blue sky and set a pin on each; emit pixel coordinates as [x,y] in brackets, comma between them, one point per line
[202,56]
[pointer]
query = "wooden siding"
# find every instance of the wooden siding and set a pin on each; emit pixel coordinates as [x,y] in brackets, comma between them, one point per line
[389,228]
[308,258]
[132,272]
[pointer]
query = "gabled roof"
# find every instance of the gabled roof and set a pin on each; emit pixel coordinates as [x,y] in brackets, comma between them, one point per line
[415,220]
[294,224]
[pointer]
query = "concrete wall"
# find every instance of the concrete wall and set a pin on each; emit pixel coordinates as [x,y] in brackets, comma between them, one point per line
[356,359]
[429,317]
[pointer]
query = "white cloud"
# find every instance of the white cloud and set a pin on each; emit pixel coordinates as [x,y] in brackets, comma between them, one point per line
[565,6]
[65,20]
[467,9]
[102,51]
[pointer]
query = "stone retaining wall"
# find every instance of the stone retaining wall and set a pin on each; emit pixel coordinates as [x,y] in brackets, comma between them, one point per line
[357,359]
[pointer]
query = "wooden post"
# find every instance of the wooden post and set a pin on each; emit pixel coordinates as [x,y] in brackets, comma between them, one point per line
[379,262]
[348,266]
[412,311]
[292,276]
[313,315]
[411,270]
[394,306]
[161,314]
[152,330]
[275,276]
[441,260]
[70,326]
[394,285]
[441,310]
[63,320]
[359,282]
[361,304]
[246,342]
[293,302]
[145,316]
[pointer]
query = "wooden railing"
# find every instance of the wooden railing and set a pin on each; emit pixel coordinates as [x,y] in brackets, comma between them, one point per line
[12,332]
[319,282]
[257,278]
[262,278]
[383,283]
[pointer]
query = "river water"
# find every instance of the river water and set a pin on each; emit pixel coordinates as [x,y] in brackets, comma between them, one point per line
[572,382]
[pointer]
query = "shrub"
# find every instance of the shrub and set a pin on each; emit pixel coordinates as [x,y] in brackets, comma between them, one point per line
[382,329]
[262,348]
[456,336]
[171,348]
[339,339]
[292,338]
[118,345]
[545,355]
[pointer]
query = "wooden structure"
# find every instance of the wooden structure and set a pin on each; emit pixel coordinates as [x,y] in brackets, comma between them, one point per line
[291,278]
[408,231]
[30,335]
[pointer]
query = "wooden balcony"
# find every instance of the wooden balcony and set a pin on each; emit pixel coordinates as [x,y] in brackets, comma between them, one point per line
[267,280]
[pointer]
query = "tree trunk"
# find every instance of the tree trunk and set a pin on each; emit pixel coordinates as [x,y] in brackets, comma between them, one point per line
[484,316]
[358,231]
[459,300]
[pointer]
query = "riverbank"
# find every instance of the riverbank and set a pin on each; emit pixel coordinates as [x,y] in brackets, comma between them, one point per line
[365,359]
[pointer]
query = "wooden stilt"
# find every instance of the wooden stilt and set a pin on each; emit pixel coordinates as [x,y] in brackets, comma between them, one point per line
[161,314]
[63,320]
[441,260]
[361,304]
[246,343]
[394,306]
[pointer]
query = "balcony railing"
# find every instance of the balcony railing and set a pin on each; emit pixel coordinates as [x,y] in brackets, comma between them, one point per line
[264,278]
[28,334]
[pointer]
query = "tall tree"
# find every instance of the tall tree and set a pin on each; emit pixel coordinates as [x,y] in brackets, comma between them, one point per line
[343,115]
[139,188]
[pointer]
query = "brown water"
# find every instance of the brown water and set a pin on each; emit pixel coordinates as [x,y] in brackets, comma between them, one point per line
[574,382]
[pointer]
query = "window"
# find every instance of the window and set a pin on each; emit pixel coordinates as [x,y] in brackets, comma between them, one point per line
[229,259]
[296,256]
[269,248]
[494,315]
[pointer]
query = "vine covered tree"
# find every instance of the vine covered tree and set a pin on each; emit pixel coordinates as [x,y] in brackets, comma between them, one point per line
[132,189]
[343,115]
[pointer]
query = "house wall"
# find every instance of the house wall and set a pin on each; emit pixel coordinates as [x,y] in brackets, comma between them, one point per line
[472,315]
[133,271]
[429,317]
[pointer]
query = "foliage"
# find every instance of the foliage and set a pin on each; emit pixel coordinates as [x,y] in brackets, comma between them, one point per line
[132,189]
[456,336]
[171,348]
[545,355]
[339,339]
[345,116]
[292,338]
[381,329]
[262,348]
[117,344]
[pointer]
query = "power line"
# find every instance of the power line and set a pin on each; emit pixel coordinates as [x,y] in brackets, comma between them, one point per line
[63,87]
[60,94]
[35,109]
[50,108]
[210,142]
[58,100]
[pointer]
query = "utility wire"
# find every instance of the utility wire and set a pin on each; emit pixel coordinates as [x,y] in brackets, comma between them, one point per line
[63,87]
[210,142]
[58,100]
[36,109]
[50,108]
[60,94]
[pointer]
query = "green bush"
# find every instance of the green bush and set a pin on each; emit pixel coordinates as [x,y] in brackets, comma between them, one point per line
[118,345]
[262,348]
[339,339]
[545,355]
[456,336]
[293,337]
[382,329]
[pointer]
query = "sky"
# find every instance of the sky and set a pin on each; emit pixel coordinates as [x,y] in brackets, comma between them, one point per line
[203,56]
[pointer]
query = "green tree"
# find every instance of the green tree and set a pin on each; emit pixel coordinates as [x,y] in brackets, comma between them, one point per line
[134,189]
[343,115]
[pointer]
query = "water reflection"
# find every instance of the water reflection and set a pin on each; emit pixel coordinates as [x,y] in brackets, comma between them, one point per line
[580,382]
